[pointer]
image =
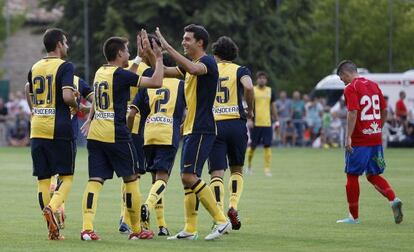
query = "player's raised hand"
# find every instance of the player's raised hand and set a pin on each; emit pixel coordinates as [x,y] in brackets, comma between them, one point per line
[156,49]
[163,41]
[140,49]
[145,41]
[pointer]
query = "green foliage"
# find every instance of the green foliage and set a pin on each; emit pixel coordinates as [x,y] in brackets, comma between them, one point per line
[295,44]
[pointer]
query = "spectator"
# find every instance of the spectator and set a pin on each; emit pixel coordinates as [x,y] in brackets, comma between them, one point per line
[284,111]
[400,108]
[3,122]
[289,135]
[12,106]
[340,112]
[22,102]
[314,118]
[298,115]
[390,111]
[19,132]
[326,124]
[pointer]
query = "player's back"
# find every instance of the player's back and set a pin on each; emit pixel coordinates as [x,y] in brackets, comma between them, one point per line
[366,97]
[51,116]
[111,99]
[228,104]
[166,107]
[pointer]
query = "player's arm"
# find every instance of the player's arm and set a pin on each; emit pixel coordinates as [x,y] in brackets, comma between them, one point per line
[352,104]
[29,96]
[189,66]
[85,127]
[247,83]
[69,93]
[131,117]
[155,81]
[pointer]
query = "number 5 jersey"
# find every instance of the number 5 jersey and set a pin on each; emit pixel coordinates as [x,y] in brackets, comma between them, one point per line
[367,99]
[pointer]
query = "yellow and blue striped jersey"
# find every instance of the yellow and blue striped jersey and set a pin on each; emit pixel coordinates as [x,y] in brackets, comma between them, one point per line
[51,116]
[146,71]
[229,98]
[162,110]
[263,98]
[111,88]
[200,93]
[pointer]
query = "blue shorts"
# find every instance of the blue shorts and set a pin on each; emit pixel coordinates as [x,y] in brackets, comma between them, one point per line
[138,142]
[106,158]
[230,143]
[261,135]
[365,159]
[159,158]
[52,156]
[196,148]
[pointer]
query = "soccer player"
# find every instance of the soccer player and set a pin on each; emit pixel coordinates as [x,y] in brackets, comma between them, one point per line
[52,145]
[201,77]
[163,109]
[137,128]
[229,148]
[110,145]
[366,115]
[264,112]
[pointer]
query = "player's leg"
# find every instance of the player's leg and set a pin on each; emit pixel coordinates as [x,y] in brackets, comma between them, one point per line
[123,159]
[355,165]
[376,167]
[99,169]
[124,221]
[267,136]
[236,155]
[255,139]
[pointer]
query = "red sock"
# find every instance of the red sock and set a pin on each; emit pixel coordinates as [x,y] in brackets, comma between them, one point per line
[352,194]
[382,186]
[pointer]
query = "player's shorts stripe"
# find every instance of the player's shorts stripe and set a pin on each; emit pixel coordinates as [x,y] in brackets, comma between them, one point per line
[132,157]
[198,150]
[89,200]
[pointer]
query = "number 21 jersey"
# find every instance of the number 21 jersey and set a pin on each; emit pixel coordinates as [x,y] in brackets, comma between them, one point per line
[366,97]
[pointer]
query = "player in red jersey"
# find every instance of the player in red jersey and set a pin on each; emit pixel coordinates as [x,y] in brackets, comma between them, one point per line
[364,154]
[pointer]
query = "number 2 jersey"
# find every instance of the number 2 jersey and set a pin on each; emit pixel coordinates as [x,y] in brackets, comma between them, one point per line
[112,90]
[162,109]
[51,117]
[229,99]
[366,97]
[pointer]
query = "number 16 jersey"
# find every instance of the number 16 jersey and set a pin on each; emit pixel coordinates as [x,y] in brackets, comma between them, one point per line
[111,88]
[367,99]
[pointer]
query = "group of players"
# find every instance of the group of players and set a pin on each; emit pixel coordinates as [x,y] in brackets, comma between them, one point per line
[139,111]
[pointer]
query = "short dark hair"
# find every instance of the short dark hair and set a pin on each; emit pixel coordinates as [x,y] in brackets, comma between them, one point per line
[112,46]
[200,33]
[260,74]
[153,37]
[167,60]
[51,37]
[346,65]
[225,48]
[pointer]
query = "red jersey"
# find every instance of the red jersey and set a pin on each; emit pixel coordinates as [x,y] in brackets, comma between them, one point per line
[400,108]
[366,97]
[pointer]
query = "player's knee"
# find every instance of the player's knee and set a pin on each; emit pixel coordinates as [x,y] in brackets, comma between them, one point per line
[162,175]
[130,178]
[236,169]
[217,173]
[188,179]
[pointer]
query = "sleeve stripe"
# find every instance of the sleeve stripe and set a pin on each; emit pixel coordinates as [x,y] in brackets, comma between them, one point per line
[139,81]
[68,87]
[179,71]
[133,106]
[205,67]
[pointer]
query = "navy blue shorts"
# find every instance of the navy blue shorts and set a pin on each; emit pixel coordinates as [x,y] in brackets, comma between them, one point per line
[52,156]
[159,158]
[196,148]
[365,159]
[106,158]
[230,144]
[138,142]
[261,135]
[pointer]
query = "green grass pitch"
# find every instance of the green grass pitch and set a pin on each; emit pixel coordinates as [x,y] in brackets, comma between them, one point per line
[295,210]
